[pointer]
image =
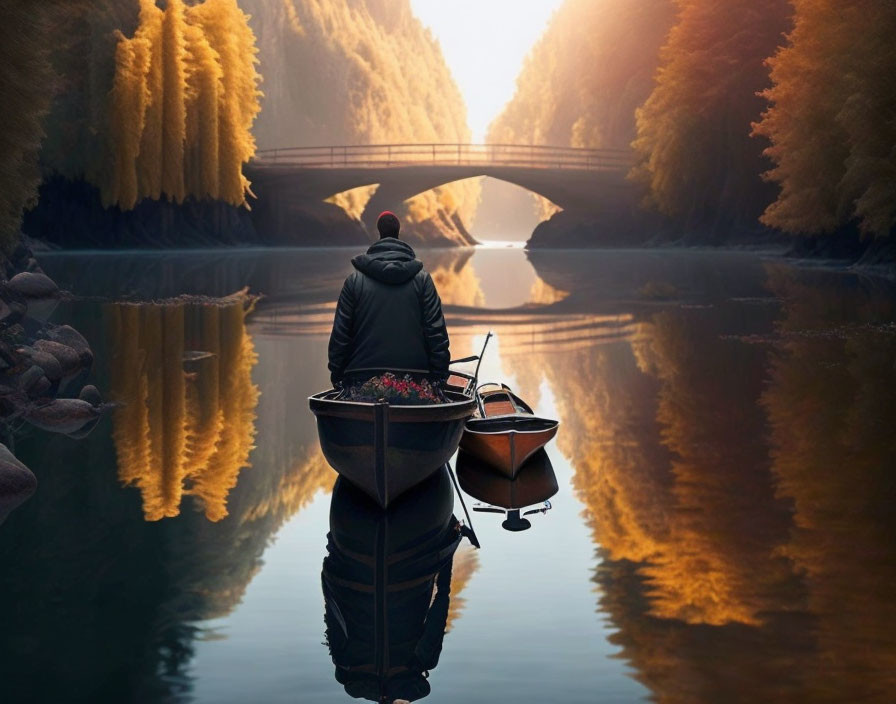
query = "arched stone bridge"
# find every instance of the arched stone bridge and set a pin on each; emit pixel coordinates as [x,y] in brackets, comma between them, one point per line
[591,180]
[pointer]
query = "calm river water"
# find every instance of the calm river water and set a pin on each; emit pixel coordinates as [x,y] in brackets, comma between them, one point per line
[723,531]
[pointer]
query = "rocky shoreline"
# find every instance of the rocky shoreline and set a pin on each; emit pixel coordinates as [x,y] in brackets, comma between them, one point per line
[43,370]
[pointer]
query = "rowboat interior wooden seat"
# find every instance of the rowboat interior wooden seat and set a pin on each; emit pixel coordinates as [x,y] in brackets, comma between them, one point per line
[498,404]
[461,383]
[457,380]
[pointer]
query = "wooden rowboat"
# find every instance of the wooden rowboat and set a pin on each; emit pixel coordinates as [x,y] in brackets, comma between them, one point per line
[507,432]
[385,449]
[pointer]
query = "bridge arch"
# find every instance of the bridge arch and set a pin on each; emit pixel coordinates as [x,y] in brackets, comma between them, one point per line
[574,179]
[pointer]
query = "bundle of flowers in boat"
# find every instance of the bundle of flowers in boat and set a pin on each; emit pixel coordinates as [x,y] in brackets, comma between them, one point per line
[389,387]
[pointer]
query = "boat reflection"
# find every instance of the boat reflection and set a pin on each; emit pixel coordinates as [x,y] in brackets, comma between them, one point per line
[387,582]
[534,484]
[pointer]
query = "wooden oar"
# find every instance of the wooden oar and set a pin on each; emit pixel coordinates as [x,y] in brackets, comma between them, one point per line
[476,376]
[481,355]
[471,533]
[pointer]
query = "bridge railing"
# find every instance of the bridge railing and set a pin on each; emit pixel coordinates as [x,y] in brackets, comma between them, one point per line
[389,155]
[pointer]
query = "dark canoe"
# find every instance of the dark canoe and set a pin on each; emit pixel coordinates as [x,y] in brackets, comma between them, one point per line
[386,449]
[506,440]
[534,483]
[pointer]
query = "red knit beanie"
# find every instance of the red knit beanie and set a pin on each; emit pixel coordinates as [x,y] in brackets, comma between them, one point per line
[388,224]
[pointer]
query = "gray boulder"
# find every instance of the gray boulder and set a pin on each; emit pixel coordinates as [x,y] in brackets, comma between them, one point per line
[17,482]
[67,335]
[92,395]
[39,292]
[69,359]
[31,284]
[45,361]
[12,311]
[63,415]
[30,377]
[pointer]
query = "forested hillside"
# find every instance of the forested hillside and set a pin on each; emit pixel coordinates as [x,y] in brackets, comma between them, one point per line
[748,120]
[361,72]
[697,159]
[583,80]
[139,116]
[831,120]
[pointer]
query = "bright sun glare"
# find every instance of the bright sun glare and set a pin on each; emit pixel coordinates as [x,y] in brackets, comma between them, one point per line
[485,42]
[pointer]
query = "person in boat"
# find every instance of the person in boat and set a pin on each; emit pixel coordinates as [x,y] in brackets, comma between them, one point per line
[389,336]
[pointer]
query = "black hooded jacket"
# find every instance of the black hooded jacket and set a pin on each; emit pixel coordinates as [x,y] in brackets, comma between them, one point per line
[389,317]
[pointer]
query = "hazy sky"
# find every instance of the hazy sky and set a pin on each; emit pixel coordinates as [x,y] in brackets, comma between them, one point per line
[485,42]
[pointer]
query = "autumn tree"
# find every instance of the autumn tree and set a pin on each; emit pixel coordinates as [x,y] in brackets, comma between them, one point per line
[183,100]
[831,120]
[697,160]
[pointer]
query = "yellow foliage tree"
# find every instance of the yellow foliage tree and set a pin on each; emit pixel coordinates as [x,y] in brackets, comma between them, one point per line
[831,119]
[183,100]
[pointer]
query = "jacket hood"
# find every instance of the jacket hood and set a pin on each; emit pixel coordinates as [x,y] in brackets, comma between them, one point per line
[390,261]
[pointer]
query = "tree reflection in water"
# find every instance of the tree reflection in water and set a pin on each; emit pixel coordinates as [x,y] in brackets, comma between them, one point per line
[740,489]
[184,424]
[831,412]
[112,605]
[734,461]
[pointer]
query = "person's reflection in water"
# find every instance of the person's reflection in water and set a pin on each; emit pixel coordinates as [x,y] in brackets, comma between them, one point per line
[386,582]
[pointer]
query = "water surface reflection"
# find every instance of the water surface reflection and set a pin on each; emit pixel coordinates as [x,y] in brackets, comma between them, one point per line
[724,528]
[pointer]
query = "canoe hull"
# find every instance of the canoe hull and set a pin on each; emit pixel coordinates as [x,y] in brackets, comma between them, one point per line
[505,443]
[385,450]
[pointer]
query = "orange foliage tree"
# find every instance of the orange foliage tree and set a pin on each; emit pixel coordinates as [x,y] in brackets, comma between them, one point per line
[831,119]
[693,136]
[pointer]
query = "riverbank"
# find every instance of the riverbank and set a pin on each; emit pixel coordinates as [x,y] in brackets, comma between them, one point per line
[44,370]
[71,215]
[845,248]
